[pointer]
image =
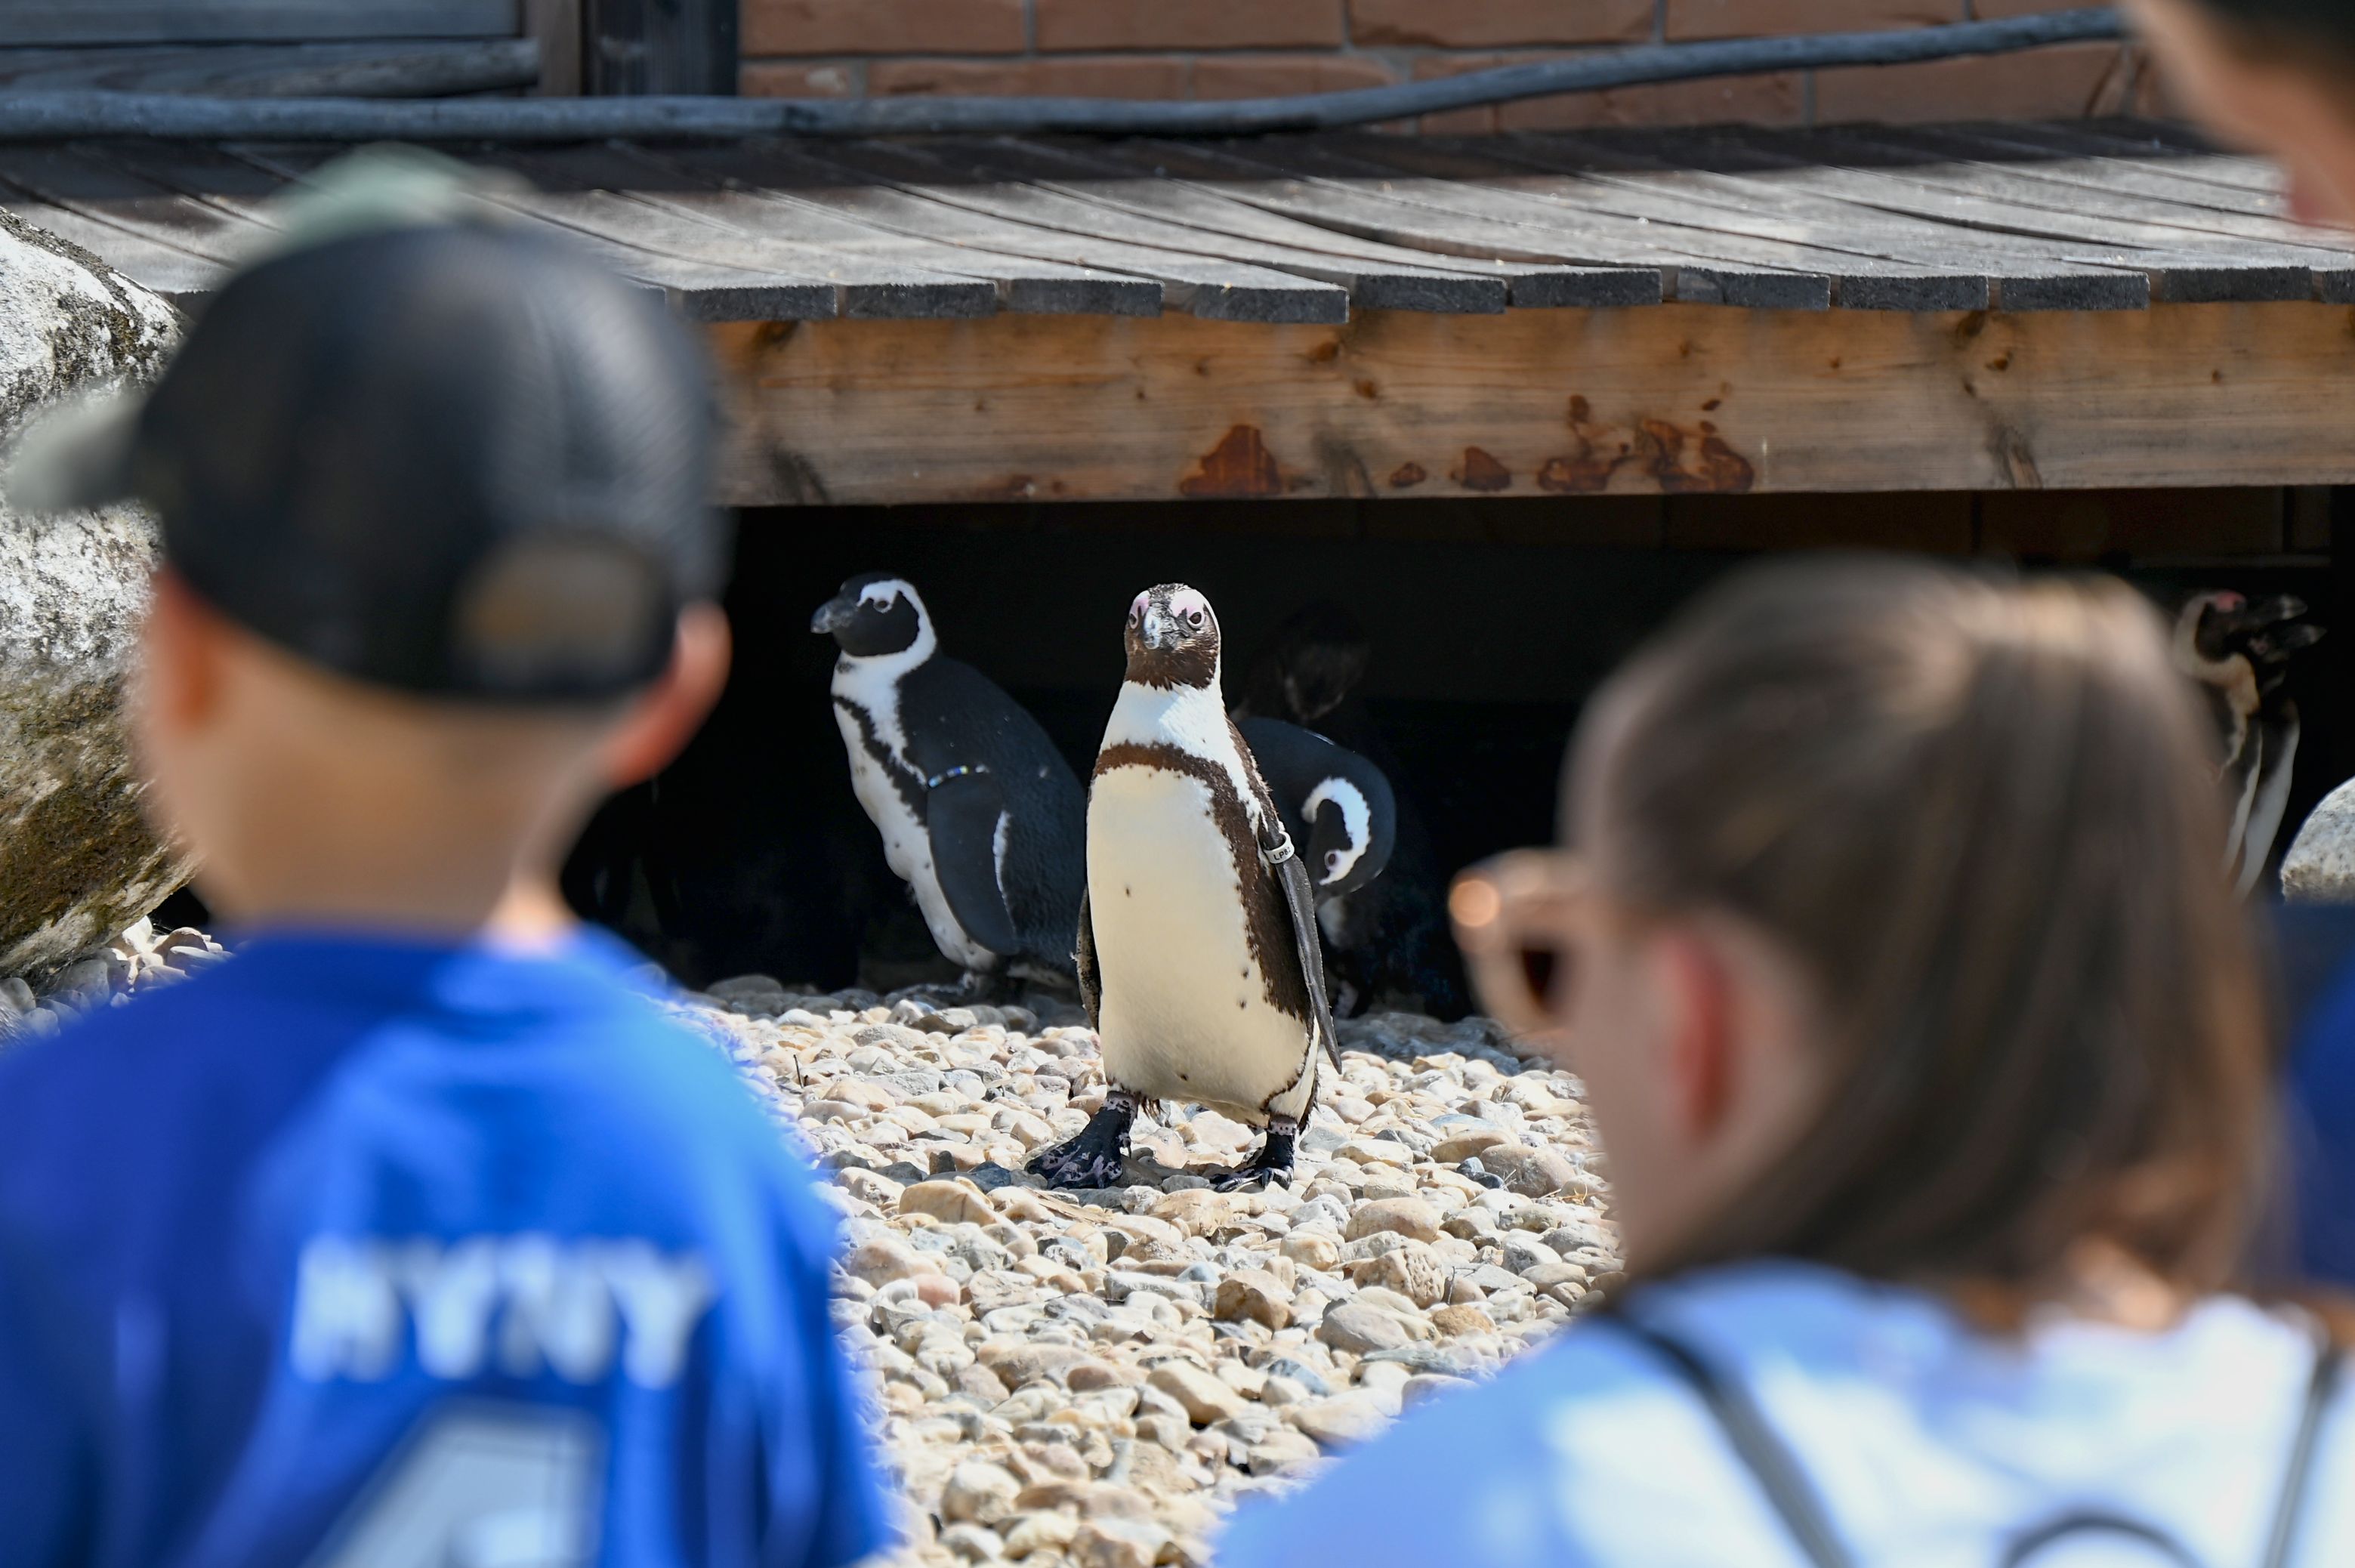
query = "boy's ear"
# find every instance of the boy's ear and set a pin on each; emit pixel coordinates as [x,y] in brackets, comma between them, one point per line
[1702,1045]
[180,677]
[664,718]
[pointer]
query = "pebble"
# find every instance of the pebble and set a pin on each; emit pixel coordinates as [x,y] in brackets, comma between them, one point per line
[1409,1217]
[1094,1379]
[1358,1328]
[135,960]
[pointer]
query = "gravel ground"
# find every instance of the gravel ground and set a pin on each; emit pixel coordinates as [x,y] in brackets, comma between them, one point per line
[1096,1377]
[141,956]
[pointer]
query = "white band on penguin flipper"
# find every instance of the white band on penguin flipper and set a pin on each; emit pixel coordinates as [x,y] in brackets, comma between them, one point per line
[1283,850]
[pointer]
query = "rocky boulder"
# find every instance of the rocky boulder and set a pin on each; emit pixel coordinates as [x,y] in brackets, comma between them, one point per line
[2321,865]
[78,863]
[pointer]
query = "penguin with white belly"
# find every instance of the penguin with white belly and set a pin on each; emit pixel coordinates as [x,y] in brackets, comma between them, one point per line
[1198,956]
[980,814]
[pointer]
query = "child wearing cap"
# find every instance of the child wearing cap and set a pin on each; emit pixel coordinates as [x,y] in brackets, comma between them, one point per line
[414,1235]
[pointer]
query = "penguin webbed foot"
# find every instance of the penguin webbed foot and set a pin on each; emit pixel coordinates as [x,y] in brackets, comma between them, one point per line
[1271,1164]
[1096,1158]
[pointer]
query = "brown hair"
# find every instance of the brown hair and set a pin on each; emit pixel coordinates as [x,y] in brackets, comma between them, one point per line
[1983,819]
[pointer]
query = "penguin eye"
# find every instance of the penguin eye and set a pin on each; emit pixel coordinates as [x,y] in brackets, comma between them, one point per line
[1332,860]
[1194,618]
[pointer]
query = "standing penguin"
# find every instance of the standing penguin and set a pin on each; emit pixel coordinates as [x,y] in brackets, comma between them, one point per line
[1199,957]
[980,814]
[2238,651]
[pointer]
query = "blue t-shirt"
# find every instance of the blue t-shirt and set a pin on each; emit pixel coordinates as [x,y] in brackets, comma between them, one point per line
[363,1251]
[2319,1114]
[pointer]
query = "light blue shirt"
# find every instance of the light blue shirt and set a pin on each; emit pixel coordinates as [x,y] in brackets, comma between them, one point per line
[1930,1444]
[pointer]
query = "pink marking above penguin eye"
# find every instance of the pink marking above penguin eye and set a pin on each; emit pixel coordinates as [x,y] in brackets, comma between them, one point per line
[1191,605]
[1136,608]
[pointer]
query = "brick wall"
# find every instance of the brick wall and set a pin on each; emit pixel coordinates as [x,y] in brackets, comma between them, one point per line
[1241,48]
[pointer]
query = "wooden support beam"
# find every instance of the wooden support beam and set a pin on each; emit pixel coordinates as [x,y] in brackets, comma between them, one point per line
[637,47]
[1679,399]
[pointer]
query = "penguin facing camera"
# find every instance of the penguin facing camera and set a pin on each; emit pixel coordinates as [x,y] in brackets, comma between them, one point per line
[1198,956]
[2238,651]
[1391,939]
[980,814]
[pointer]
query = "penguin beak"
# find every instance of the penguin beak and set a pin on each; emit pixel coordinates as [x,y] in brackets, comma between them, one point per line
[833,615]
[1158,627]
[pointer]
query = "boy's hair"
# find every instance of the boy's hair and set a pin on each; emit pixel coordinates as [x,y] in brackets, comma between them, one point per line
[1983,819]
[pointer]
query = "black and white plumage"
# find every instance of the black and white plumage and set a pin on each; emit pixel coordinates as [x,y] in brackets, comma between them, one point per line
[1337,806]
[2238,651]
[1198,956]
[1389,939]
[980,814]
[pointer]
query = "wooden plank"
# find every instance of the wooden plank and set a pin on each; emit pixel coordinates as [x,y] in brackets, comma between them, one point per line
[250,21]
[2175,181]
[1677,400]
[633,201]
[2168,223]
[555,27]
[237,190]
[1920,271]
[2019,278]
[2181,273]
[996,181]
[1090,176]
[178,275]
[428,69]
[2184,146]
[789,181]
[108,198]
[1431,216]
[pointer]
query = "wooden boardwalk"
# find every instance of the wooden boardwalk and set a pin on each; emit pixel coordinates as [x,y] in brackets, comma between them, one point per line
[1972,306]
[2104,216]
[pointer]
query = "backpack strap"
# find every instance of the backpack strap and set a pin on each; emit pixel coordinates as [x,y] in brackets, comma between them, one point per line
[1778,1474]
[1768,1458]
[2321,1388]
[2027,1544]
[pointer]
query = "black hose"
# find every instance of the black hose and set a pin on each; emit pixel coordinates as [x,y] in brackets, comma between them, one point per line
[55,116]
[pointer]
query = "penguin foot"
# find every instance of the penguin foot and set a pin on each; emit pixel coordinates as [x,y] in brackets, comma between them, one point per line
[1094,1158]
[1272,1163]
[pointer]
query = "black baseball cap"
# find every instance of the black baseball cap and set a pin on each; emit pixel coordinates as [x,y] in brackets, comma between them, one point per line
[456,457]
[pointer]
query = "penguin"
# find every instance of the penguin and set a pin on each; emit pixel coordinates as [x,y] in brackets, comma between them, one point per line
[2238,651]
[1391,939]
[1337,806]
[980,814]
[1199,957]
[1340,809]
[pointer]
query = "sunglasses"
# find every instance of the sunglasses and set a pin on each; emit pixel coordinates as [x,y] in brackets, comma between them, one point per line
[1517,920]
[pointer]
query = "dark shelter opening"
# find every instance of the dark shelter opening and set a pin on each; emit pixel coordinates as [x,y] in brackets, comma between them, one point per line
[1487,623]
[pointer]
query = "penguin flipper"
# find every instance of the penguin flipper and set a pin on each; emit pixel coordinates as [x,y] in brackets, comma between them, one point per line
[963,817]
[1300,900]
[1083,959]
[2279,753]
